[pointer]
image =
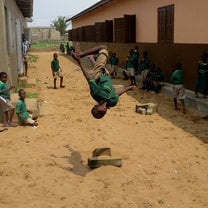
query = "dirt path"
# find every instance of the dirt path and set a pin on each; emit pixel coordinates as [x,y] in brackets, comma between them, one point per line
[164,155]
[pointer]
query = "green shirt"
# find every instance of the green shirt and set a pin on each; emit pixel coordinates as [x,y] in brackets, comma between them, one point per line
[103,91]
[203,68]
[131,61]
[144,64]
[177,77]
[21,109]
[6,94]
[55,65]
[114,60]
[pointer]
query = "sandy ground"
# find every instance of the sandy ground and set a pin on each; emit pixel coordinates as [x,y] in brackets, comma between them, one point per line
[164,156]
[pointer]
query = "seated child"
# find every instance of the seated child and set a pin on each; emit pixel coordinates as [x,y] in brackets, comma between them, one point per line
[5,101]
[25,116]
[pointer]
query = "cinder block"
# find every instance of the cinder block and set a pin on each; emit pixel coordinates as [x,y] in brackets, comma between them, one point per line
[96,162]
[147,108]
[152,108]
[101,151]
[142,110]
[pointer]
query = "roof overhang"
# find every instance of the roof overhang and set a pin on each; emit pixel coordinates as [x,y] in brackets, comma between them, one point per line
[26,7]
[88,10]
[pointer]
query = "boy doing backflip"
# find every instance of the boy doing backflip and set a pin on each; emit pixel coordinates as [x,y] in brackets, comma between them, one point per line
[101,88]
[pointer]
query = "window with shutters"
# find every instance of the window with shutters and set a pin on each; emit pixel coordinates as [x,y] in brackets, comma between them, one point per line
[166,24]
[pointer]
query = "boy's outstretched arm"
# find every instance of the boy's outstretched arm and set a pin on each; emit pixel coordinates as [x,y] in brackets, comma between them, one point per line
[126,89]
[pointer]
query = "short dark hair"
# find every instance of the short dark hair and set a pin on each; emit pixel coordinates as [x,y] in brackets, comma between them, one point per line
[97,114]
[19,91]
[2,74]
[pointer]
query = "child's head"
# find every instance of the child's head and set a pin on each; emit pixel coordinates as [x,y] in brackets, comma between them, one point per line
[98,111]
[3,77]
[22,94]
[204,57]
[55,55]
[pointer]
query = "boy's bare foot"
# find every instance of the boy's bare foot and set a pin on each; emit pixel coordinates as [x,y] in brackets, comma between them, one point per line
[62,86]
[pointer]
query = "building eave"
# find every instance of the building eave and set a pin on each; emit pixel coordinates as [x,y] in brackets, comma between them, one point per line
[26,7]
[90,9]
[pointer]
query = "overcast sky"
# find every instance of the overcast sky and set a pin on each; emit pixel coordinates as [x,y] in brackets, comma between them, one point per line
[45,11]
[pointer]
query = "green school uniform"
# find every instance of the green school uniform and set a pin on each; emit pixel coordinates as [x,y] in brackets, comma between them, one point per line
[55,65]
[177,77]
[103,91]
[114,61]
[21,109]
[4,86]
[131,62]
[202,79]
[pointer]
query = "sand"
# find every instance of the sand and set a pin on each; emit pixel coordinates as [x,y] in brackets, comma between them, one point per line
[164,155]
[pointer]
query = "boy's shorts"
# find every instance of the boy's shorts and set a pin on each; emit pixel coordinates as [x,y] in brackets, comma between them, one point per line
[57,74]
[179,92]
[6,104]
[114,68]
[144,74]
[30,120]
[101,61]
[131,72]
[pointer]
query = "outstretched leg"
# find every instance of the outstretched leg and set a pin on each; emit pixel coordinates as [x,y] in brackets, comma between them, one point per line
[91,51]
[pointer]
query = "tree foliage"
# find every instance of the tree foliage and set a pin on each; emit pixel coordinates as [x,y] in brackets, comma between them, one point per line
[60,24]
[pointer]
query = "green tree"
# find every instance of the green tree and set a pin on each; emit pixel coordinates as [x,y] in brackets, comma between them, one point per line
[60,24]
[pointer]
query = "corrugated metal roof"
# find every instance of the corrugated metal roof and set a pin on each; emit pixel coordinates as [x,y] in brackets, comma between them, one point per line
[93,7]
[26,7]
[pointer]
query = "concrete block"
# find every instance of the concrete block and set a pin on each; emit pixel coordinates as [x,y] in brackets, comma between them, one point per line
[96,162]
[101,151]
[142,110]
[152,108]
[147,108]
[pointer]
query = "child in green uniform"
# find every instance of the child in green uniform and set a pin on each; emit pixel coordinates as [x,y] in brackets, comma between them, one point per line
[56,71]
[114,65]
[25,116]
[5,101]
[202,77]
[131,58]
[101,88]
[178,88]
[144,67]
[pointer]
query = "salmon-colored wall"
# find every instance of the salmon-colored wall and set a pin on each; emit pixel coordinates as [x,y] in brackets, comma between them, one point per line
[189,22]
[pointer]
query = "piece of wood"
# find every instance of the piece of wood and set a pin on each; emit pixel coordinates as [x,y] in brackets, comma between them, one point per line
[96,162]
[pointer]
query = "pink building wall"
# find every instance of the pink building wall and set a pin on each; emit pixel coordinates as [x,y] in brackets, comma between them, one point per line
[189,22]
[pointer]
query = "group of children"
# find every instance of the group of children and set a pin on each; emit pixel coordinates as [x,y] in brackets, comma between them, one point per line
[25,116]
[66,49]
[100,84]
